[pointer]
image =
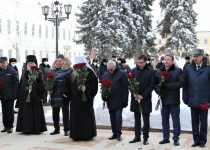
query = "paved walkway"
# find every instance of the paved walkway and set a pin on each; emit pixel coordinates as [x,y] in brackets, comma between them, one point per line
[45,141]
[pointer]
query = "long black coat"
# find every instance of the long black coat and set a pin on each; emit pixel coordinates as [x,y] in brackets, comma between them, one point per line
[170,94]
[11,80]
[119,89]
[102,70]
[146,78]
[31,119]
[82,116]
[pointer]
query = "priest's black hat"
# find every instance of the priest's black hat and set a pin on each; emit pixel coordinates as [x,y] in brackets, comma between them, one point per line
[12,60]
[44,59]
[31,58]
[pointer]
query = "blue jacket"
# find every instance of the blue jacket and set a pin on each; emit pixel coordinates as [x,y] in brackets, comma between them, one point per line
[197,85]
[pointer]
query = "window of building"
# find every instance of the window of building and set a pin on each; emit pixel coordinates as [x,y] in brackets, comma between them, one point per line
[26,53]
[70,55]
[10,53]
[25,29]
[40,53]
[1,52]
[205,41]
[17,27]
[52,32]
[33,29]
[40,31]
[0,26]
[34,52]
[47,55]
[64,34]
[69,35]
[46,32]
[8,26]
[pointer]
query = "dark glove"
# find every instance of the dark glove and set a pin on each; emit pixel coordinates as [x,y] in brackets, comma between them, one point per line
[125,105]
[104,99]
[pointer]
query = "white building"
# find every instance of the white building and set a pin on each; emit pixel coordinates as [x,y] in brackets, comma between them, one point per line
[24,31]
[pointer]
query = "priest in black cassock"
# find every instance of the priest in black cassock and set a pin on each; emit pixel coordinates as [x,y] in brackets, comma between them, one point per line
[82,116]
[31,119]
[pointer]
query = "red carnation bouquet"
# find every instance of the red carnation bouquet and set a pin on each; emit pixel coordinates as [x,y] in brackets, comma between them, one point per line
[49,81]
[165,76]
[204,106]
[81,75]
[33,75]
[105,89]
[134,85]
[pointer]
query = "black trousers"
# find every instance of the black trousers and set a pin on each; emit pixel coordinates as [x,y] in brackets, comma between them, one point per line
[199,125]
[146,127]
[7,113]
[56,117]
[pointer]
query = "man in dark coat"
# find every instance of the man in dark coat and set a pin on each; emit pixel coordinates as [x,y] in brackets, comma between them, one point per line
[102,68]
[160,64]
[8,93]
[60,96]
[196,93]
[12,63]
[170,97]
[31,119]
[124,66]
[187,62]
[95,66]
[82,116]
[145,76]
[45,68]
[118,98]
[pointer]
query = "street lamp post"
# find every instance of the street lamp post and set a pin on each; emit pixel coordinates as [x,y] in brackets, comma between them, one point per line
[56,13]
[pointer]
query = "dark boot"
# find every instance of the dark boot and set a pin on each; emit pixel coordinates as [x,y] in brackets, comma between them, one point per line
[56,131]
[136,139]
[4,130]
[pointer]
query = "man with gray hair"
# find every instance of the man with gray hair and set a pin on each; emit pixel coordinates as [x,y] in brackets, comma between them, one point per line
[118,98]
[197,96]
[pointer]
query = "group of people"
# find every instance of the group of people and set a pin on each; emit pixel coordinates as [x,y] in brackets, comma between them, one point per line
[79,123]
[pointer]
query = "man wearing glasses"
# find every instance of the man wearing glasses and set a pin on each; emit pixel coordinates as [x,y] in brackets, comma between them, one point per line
[145,76]
[118,98]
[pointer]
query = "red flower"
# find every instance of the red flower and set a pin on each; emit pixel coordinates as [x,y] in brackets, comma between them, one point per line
[105,82]
[35,68]
[204,106]
[79,65]
[50,75]
[131,75]
[166,74]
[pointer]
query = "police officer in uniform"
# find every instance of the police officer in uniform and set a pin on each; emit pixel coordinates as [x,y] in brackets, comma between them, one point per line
[8,93]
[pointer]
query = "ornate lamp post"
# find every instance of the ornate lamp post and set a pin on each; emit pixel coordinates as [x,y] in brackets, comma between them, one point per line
[56,13]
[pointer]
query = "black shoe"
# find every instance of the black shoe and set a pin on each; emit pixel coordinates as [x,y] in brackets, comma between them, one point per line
[195,144]
[112,137]
[119,138]
[9,130]
[176,143]
[4,130]
[145,142]
[136,139]
[55,132]
[202,145]
[164,141]
[66,133]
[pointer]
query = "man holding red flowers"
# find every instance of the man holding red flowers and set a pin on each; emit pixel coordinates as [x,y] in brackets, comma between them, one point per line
[118,98]
[168,84]
[197,96]
[145,76]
